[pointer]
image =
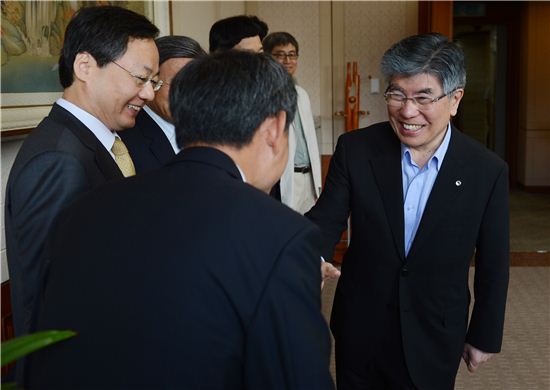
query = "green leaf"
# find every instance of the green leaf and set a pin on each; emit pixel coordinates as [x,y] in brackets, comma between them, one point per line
[20,346]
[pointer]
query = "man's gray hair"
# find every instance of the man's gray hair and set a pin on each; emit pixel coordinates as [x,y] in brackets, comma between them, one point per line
[431,53]
[178,46]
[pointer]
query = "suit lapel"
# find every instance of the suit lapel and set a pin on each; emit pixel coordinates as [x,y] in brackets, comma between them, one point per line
[387,170]
[159,145]
[446,188]
[104,161]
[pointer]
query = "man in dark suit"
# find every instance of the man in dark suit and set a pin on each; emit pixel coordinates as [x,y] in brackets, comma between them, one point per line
[108,69]
[203,280]
[424,199]
[152,141]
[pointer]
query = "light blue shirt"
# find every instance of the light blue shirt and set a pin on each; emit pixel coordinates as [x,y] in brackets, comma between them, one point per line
[301,156]
[417,186]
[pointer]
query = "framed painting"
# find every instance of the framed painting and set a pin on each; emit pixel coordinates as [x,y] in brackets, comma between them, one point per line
[32,37]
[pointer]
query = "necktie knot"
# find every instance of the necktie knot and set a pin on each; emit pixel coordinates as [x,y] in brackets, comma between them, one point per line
[122,158]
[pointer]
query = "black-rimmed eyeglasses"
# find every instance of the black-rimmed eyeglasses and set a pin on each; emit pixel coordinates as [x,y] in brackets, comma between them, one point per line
[142,81]
[397,100]
[281,55]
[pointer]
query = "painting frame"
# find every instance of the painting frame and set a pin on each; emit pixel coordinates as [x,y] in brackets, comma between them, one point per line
[21,112]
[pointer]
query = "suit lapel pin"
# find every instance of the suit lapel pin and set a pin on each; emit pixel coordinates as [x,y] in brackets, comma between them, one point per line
[458,183]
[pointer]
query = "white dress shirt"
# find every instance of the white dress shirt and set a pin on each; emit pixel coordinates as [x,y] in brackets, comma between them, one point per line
[105,136]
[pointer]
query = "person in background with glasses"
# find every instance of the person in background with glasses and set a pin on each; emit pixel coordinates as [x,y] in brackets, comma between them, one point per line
[108,68]
[152,141]
[424,201]
[300,184]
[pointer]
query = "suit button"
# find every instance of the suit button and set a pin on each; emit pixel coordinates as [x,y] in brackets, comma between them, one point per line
[404,271]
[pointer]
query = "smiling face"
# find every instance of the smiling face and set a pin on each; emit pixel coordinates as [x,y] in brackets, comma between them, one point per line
[422,130]
[281,53]
[168,70]
[114,96]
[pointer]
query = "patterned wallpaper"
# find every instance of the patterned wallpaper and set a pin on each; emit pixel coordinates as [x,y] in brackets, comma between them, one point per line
[301,19]
[370,29]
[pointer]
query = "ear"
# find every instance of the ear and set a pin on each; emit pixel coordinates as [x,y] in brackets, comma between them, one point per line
[275,134]
[455,100]
[83,66]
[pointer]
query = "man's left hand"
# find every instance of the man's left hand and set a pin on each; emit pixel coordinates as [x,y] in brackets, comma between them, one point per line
[473,357]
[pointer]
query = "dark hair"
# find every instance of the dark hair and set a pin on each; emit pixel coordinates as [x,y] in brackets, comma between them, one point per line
[279,39]
[226,33]
[431,53]
[103,32]
[222,98]
[178,46]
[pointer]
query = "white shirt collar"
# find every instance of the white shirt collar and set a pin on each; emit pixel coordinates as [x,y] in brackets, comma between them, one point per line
[105,136]
[241,172]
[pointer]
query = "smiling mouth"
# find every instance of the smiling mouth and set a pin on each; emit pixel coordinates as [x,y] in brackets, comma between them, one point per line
[134,107]
[411,127]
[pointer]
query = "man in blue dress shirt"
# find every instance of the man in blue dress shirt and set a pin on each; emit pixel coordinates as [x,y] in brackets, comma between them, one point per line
[424,200]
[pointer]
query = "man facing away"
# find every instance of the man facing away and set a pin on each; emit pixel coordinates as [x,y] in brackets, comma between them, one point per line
[152,141]
[204,281]
[300,184]
[424,200]
[109,69]
[240,32]
[246,33]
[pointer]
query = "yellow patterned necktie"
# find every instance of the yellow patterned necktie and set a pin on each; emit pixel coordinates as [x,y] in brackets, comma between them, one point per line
[122,158]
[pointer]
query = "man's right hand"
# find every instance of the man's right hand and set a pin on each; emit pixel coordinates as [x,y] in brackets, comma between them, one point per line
[328,271]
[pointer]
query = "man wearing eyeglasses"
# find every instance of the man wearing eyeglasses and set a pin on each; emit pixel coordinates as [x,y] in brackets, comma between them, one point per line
[300,184]
[424,201]
[109,69]
[152,141]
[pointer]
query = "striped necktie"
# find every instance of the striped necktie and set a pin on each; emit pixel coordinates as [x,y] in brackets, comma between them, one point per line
[122,158]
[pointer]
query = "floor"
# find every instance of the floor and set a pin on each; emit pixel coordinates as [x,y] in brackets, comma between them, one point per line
[524,362]
[529,222]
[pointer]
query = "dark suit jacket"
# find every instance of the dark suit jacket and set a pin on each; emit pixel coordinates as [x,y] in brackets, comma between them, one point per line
[466,213]
[58,161]
[147,144]
[205,282]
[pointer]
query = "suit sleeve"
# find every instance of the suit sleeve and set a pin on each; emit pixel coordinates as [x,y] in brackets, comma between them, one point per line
[491,271]
[332,210]
[44,187]
[288,343]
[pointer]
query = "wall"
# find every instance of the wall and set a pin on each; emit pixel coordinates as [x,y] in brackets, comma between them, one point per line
[370,28]
[534,99]
[304,21]
[194,18]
